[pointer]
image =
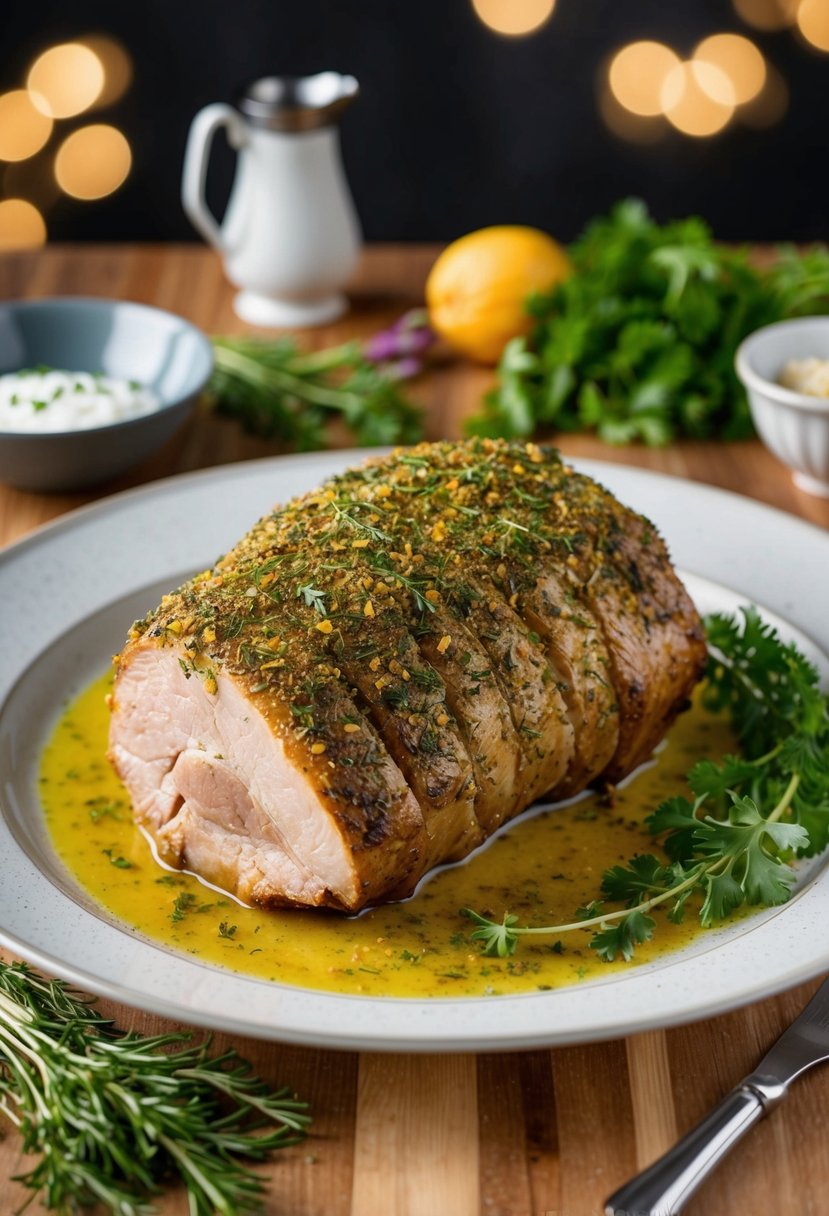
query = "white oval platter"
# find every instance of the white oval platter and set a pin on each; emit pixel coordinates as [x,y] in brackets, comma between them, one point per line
[67,595]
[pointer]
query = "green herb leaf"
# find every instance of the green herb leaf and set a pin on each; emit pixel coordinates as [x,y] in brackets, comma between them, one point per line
[120,863]
[722,895]
[313,598]
[627,883]
[499,941]
[184,902]
[623,938]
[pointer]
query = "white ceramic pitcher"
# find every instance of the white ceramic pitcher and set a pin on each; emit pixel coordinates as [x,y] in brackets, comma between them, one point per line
[290,234]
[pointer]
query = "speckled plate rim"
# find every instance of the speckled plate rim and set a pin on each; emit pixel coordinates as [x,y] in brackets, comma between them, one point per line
[68,569]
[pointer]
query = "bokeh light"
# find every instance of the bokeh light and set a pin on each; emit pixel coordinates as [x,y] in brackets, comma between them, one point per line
[116,61]
[712,80]
[23,128]
[813,23]
[514,17]
[739,59]
[769,106]
[637,75]
[697,99]
[66,80]
[767,14]
[93,161]
[21,225]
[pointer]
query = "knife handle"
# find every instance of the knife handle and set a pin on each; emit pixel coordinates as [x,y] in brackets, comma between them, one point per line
[663,1188]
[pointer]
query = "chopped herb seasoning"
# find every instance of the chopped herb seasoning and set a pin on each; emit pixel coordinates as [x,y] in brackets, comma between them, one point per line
[121,863]
[184,903]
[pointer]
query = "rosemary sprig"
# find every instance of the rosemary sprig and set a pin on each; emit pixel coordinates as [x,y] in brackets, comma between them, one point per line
[731,844]
[113,1117]
[278,392]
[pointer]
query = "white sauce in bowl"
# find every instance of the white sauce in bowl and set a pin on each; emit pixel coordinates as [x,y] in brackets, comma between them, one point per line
[48,400]
[810,376]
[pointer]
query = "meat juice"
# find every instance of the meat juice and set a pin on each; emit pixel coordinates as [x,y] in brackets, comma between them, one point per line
[542,867]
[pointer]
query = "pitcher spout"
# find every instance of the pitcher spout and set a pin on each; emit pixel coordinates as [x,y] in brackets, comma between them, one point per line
[297,103]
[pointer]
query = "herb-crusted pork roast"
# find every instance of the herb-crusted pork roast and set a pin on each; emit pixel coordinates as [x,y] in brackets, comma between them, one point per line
[386,669]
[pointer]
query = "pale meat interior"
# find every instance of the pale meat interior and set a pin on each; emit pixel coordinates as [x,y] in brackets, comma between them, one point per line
[212,783]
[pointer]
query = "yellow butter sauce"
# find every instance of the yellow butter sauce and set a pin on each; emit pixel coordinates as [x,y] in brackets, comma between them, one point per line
[541,868]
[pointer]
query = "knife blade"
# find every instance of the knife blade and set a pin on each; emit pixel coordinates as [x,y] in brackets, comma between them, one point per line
[664,1188]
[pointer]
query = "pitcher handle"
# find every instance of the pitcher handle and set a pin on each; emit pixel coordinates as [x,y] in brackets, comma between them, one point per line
[196,157]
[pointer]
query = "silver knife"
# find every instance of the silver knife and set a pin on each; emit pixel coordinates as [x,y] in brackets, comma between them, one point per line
[664,1188]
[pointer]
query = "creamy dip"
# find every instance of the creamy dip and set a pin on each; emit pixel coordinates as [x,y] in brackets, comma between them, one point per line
[810,376]
[46,399]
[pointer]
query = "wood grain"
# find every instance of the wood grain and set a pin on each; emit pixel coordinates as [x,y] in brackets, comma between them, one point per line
[651,1095]
[416,1144]
[542,1133]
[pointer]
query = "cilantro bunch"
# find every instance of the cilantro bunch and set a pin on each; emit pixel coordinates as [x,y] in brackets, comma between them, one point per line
[639,343]
[732,841]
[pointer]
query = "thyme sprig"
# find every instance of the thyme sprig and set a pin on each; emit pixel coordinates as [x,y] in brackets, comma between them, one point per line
[343,512]
[732,843]
[278,392]
[113,1117]
[383,567]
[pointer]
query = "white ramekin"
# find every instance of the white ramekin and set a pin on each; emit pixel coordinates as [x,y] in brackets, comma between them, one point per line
[794,426]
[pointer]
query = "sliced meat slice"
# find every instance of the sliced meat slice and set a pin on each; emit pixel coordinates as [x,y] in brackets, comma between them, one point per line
[655,640]
[408,708]
[528,685]
[621,572]
[478,708]
[577,652]
[233,795]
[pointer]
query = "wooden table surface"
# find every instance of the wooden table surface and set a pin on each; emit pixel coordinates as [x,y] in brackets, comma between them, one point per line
[540,1133]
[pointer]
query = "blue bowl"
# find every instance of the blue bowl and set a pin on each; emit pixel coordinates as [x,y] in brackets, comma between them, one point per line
[130,341]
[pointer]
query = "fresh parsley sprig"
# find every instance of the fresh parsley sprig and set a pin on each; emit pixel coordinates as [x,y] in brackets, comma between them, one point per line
[112,1117]
[731,843]
[638,344]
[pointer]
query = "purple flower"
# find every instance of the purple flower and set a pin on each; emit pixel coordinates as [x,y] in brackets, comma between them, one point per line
[382,346]
[404,369]
[409,336]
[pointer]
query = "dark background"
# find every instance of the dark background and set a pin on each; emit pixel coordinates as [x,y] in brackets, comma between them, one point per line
[457,127]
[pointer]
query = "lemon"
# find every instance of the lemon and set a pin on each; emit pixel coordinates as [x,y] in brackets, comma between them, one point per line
[478,286]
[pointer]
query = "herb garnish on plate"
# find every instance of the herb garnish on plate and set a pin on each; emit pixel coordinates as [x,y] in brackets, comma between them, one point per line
[730,843]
